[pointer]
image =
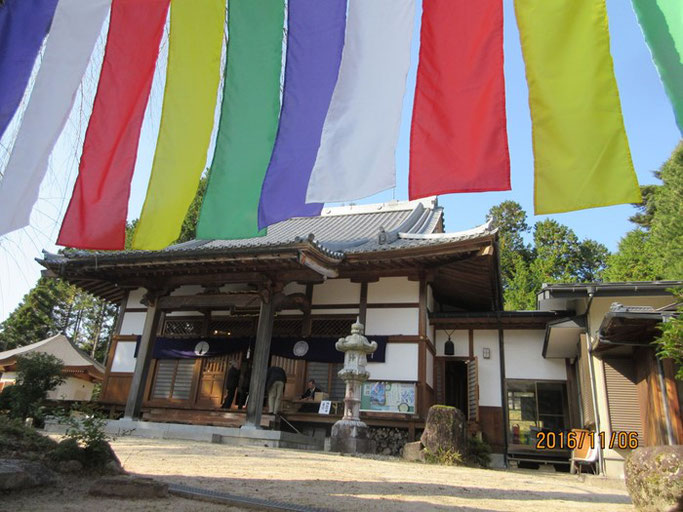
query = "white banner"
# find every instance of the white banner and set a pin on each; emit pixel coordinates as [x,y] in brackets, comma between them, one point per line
[75,28]
[356,157]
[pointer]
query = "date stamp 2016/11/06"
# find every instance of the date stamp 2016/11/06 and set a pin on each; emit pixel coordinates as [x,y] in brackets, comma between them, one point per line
[575,439]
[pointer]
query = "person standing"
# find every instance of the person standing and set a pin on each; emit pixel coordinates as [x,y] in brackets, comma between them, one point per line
[231,383]
[243,386]
[275,385]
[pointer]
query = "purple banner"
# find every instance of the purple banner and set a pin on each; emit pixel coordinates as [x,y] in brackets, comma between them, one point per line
[320,349]
[23,26]
[314,46]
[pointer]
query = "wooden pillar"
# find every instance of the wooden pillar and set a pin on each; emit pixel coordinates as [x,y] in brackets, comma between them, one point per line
[144,358]
[422,406]
[259,365]
[363,304]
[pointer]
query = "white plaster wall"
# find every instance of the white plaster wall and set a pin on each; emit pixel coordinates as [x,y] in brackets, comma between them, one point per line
[460,339]
[134,298]
[388,321]
[400,363]
[336,291]
[188,289]
[294,288]
[133,323]
[523,358]
[489,369]
[430,298]
[184,313]
[430,369]
[8,377]
[124,357]
[393,289]
[72,389]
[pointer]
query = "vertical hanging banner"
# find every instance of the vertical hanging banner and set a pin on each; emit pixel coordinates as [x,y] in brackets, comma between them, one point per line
[75,28]
[356,157]
[315,40]
[581,154]
[96,217]
[662,25]
[458,138]
[23,26]
[192,76]
[249,120]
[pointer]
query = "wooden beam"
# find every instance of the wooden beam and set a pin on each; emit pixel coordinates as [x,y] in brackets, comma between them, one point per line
[363,303]
[212,301]
[259,365]
[144,357]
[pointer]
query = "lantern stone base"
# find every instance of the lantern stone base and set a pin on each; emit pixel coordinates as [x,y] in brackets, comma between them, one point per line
[350,436]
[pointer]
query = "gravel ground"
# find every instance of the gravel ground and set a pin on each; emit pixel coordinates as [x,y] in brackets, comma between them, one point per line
[339,482]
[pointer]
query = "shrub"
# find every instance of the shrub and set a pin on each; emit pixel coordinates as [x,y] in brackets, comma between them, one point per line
[18,440]
[478,452]
[37,374]
[86,440]
[446,457]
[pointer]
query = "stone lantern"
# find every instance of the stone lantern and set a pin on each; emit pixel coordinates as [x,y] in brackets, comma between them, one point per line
[350,434]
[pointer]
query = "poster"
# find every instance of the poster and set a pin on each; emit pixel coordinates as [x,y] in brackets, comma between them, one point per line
[388,397]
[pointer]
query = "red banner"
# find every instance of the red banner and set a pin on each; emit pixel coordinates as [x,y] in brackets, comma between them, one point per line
[96,217]
[458,137]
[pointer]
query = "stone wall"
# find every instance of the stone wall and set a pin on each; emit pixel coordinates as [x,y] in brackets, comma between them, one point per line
[388,440]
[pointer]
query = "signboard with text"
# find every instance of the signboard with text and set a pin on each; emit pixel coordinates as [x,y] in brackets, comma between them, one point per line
[386,396]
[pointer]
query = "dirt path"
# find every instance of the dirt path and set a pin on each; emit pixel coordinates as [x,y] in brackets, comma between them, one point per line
[348,483]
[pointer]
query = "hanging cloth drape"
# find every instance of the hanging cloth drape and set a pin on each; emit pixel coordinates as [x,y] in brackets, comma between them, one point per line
[23,26]
[662,24]
[356,157]
[315,40]
[192,77]
[458,138]
[249,120]
[581,154]
[75,28]
[96,217]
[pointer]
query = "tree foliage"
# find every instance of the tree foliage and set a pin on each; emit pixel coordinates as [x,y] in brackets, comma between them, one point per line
[37,374]
[556,255]
[654,250]
[670,342]
[53,306]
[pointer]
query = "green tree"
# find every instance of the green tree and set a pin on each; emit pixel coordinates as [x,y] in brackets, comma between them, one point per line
[188,231]
[634,260]
[667,220]
[654,250]
[670,342]
[37,374]
[557,255]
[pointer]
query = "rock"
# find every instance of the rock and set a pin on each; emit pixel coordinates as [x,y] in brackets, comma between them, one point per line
[413,452]
[70,466]
[654,478]
[445,430]
[129,486]
[21,474]
[114,467]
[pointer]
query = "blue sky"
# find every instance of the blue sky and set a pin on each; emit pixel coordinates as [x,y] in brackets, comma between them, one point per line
[648,117]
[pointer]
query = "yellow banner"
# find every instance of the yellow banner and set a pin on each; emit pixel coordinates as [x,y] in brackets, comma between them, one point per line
[581,154]
[192,77]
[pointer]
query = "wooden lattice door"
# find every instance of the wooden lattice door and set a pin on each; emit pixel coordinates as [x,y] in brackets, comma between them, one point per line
[211,389]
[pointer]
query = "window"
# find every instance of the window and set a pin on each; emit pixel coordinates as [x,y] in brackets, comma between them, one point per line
[535,406]
[173,379]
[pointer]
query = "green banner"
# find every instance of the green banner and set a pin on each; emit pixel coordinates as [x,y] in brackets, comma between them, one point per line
[249,120]
[662,24]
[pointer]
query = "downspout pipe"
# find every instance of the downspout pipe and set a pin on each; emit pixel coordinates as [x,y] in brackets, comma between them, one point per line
[665,398]
[591,371]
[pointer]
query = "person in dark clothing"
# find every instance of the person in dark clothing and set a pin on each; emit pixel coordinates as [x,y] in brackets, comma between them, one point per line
[311,390]
[275,386]
[243,385]
[231,383]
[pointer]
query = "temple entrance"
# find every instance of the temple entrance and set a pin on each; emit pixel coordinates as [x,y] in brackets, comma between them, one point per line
[455,385]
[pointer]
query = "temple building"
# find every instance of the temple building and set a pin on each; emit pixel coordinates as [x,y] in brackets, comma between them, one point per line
[431,299]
